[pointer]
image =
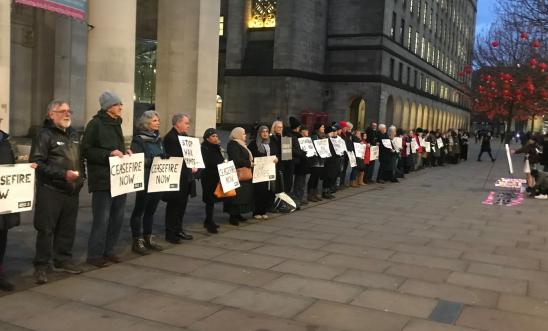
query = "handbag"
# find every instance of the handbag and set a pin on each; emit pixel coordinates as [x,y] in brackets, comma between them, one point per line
[244,174]
[219,193]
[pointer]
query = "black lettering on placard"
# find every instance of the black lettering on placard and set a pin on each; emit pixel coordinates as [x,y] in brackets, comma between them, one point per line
[4,195]
[137,185]
[23,204]
[126,180]
[162,179]
[173,185]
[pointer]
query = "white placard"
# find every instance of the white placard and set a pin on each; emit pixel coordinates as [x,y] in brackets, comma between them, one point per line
[338,145]
[307,145]
[264,169]
[322,146]
[387,143]
[508,156]
[374,153]
[16,188]
[408,149]
[192,152]
[450,141]
[398,143]
[127,174]
[414,145]
[287,149]
[352,159]
[359,149]
[228,176]
[439,141]
[426,145]
[165,174]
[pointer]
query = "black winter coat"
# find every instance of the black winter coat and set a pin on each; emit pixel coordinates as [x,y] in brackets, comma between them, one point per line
[240,156]
[103,134]
[386,155]
[301,162]
[332,164]
[56,151]
[172,147]
[209,177]
[7,221]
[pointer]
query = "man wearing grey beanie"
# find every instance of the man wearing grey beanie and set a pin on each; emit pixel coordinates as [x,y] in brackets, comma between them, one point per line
[102,139]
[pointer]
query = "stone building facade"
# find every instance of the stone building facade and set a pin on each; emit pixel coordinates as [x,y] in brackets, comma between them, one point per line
[393,61]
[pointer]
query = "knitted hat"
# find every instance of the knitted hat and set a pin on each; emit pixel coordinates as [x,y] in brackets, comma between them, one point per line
[209,132]
[109,99]
[294,123]
[329,129]
[343,124]
[317,126]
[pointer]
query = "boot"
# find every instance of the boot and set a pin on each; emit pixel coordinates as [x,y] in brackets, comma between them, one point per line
[312,196]
[151,244]
[361,181]
[354,184]
[138,246]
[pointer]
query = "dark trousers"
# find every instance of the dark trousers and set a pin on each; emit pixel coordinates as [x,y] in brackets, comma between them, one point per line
[287,169]
[263,198]
[464,152]
[298,187]
[344,167]
[175,211]
[369,170]
[55,222]
[314,179]
[3,244]
[488,151]
[108,218]
[142,216]
[209,207]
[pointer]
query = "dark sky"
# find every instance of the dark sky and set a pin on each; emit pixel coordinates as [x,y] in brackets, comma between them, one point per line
[486,14]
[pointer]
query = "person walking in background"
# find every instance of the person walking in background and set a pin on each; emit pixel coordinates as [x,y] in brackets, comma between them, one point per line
[176,202]
[238,152]
[102,139]
[146,140]
[209,177]
[262,192]
[486,146]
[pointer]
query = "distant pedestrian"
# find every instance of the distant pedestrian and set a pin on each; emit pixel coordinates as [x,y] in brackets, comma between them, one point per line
[486,146]
[60,175]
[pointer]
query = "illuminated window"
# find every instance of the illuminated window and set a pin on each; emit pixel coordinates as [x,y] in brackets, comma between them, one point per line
[221,26]
[263,14]
[409,35]
[417,38]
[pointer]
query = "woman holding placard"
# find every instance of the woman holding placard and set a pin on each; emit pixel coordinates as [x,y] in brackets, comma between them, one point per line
[316,166]
[264,197]
[146,140]
[243,160]
[209,177]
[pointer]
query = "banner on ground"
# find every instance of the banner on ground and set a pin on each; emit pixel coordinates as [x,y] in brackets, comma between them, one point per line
[374,153]
[16,188]
[359,149]
[127,174]
[73,8]
[308,146]
[228,176]
[192,152]
[322,146]
[264,169]
[287,149]
[352,159]
[165,174]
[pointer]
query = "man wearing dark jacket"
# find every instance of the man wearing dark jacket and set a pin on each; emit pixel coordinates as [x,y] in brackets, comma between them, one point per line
[102,139]
[60,175]
[299,162]
[177,201]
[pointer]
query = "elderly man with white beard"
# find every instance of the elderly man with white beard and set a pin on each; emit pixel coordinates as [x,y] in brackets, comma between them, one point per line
[60,175]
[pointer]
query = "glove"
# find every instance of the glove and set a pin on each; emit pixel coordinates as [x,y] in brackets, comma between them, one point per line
[164,156]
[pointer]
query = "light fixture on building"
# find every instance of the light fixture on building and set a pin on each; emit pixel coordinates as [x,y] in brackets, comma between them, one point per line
[263,14]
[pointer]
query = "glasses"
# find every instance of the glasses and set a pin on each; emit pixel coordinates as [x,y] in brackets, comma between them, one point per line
[66,111]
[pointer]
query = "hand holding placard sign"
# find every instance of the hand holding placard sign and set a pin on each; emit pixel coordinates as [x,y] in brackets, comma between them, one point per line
[16,188]
[398,143]
[264,169]
[359,149]
[308,146]
[228,176]
[374,153]
[352,159]
[165,174]
[127,174]
[339,145]
[192,152]
[426,145]
[439,141]
[322,146]
[287,149]
[387,143]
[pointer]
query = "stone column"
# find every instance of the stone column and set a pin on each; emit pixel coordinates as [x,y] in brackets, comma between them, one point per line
[5,43]
[111,55]
[187,62]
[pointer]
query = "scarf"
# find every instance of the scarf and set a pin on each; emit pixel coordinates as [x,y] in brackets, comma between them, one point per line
[262,142]
[237,135]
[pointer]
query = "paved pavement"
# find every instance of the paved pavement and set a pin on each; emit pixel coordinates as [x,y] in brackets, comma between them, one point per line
[424,254]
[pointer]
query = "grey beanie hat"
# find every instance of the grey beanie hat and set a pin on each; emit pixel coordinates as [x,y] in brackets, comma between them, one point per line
[109,99]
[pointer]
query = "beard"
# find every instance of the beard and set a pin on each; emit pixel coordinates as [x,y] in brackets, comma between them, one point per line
[65,124]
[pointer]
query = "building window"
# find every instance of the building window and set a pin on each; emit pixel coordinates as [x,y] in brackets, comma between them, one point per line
[417,38]
[392,68]
[221,26]
[424,13]
[263,14]
[411,7]
[408,75]
[393,26]
[400,72]
[402,31]
[409,35]
[422,48]
[415,79]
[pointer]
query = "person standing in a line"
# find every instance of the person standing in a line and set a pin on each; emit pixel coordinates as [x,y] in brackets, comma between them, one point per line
[103,138]
[146,140]
[60,175]
[177,201]
[209,177]
[262,192]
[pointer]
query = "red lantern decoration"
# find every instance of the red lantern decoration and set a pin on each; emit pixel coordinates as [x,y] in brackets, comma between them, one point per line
[524,36]
[542,67]
[544,94]
[535,44]
[495,43]
[533,63]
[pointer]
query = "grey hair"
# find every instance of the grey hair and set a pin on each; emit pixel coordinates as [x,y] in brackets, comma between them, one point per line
[145,119]
[274,124]
[381,126]
[54,104]
[178,117]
